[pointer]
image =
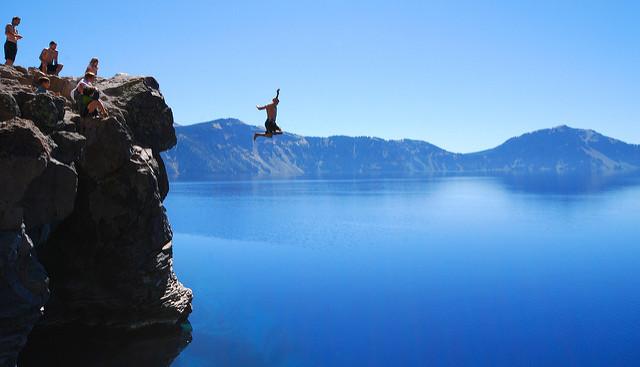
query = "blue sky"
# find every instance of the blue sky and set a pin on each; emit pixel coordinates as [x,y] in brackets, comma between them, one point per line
[462,75]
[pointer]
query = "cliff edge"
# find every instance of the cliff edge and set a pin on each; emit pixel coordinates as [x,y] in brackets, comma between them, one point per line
[84,236]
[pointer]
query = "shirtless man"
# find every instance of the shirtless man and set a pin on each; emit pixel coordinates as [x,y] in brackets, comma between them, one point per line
[11,44]
[49,60]
[272,112]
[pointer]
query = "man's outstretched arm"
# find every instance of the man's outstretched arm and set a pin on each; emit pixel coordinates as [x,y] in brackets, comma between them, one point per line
[261,107]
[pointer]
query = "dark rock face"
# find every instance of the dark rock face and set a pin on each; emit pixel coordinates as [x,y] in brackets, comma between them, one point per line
[24,153]
[113,348]
[44,110]
[146,113]
[83,231]
[50,196]
[162,176]
[24,291]
[113,266]
[108,146]
[8,107]
[69,145]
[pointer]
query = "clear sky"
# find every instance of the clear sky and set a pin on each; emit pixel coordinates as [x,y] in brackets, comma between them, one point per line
[463,75]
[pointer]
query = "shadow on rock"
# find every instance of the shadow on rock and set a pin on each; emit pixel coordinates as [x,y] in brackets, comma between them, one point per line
[155,347]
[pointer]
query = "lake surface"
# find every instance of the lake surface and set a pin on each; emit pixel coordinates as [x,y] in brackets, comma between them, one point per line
[452,271]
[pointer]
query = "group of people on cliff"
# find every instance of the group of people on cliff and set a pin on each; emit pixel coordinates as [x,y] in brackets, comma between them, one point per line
[85,94]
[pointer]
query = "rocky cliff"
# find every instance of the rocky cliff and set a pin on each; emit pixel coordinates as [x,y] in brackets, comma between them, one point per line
[84,237]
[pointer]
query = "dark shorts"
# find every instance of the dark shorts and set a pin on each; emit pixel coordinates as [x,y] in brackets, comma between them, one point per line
[271,126]
[10,50]
[51,68]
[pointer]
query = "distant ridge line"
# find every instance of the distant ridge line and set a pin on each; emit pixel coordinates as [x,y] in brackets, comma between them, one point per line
[223,149]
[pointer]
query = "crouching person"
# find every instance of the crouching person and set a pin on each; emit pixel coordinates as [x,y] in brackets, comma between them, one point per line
[90,104]
[49,60]
[82,98]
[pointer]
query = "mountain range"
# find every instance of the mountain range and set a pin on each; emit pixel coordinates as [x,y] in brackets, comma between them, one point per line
[223,149]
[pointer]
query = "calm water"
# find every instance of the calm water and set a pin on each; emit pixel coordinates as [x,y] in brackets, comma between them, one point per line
[437,272]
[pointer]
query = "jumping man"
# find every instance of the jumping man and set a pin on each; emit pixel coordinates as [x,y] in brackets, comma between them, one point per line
[272,112]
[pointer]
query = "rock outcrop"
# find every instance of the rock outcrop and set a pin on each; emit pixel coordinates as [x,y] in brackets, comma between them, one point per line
[84,238]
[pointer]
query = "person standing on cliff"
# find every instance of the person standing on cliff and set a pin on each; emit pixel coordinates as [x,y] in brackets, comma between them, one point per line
[272,113]
[11,44]
[49,60]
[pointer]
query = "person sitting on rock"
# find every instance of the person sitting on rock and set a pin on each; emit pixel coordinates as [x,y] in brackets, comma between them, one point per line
[87,81]
[90,104]
[43,85]
[11,44]
[93,66]
[272,112]
[49,60]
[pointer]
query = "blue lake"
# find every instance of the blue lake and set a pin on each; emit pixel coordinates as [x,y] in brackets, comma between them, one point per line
[453,271]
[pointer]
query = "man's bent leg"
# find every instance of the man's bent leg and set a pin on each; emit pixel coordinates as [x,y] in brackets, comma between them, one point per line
[92,107]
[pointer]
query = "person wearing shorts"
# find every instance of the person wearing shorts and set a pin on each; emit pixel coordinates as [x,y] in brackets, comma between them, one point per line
[271,127]
[90,104]
[78,91]
[49,60]
[11,44]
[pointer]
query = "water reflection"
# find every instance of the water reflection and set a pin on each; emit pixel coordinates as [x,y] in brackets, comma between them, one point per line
[493,270]
[551,184]
[234,351]
[99,348]
[567,184]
